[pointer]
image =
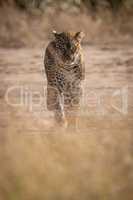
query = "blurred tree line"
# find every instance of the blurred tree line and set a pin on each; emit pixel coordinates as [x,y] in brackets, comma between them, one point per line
[92,5]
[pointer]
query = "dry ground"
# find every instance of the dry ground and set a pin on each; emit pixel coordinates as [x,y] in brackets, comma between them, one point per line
[40,161]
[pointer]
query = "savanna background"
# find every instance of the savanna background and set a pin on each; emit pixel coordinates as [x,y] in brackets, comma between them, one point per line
[44,162]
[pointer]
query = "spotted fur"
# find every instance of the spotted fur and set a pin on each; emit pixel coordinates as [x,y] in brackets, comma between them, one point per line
[64,69]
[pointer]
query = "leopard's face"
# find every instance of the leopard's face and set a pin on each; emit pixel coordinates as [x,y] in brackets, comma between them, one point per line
[69,45]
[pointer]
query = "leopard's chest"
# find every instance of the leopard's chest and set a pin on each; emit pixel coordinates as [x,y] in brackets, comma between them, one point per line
[68,79]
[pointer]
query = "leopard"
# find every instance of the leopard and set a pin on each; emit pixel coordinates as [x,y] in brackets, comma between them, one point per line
[65,70]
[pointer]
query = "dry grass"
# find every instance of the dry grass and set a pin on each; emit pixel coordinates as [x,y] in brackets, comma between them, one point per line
[40,161]
[63,165]
[20,28]
[43,162]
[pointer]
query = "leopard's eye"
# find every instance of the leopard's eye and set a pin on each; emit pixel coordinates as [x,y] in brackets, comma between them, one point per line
[73,48]
[77,44]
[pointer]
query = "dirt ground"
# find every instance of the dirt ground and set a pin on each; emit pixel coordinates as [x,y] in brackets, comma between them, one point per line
[41,161]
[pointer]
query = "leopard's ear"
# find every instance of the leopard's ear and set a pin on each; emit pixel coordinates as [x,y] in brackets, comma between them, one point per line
[55,33]
[79,36]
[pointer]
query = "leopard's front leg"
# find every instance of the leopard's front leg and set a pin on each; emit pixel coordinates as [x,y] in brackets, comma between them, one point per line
[59,112]
[71,109]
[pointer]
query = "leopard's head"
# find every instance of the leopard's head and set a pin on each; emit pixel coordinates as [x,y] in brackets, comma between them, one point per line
[68,44]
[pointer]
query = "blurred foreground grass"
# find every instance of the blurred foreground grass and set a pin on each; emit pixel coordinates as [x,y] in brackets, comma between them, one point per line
[61,165]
